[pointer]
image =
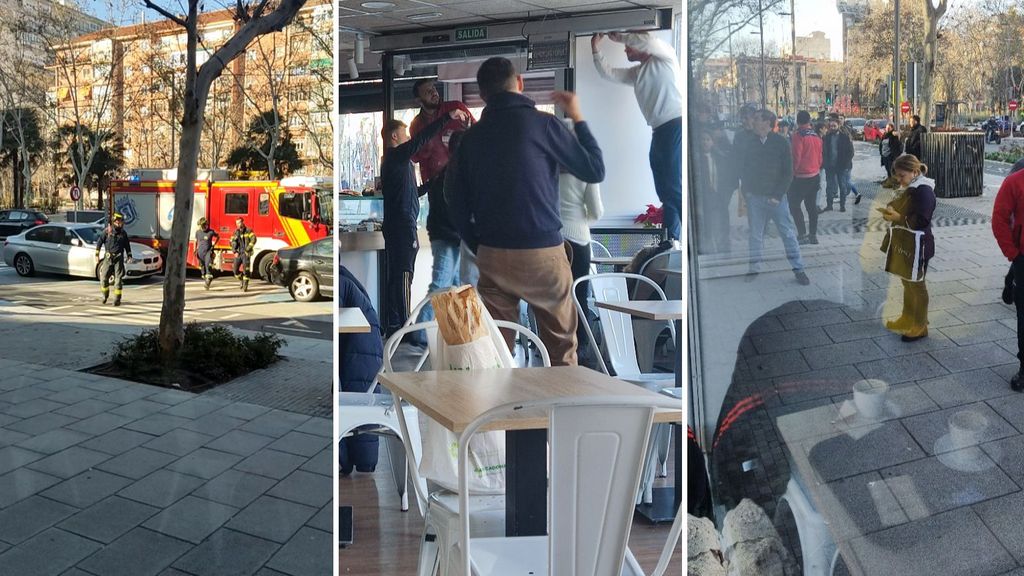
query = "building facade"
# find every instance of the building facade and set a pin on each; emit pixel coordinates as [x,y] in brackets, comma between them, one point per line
[817,46]
[732,83]
[130,81]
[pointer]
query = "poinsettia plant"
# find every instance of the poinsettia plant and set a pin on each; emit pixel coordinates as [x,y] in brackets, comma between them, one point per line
[651,218]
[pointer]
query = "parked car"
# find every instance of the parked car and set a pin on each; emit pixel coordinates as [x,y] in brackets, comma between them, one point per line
[307,271]
[16,221]
[86,216]
[70,249]
[856,125]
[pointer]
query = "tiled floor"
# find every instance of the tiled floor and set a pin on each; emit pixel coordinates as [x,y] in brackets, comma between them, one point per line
[105,477]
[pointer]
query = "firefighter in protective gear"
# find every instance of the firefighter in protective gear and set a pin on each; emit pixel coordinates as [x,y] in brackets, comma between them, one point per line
[118,251]
[206,239]
[243,243]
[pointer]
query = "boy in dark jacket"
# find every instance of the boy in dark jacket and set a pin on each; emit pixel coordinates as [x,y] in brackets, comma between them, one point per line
[360,357]
[838,164]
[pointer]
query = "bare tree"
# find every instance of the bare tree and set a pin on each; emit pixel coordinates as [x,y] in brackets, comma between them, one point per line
[256,19]
[318,89]
[710,24]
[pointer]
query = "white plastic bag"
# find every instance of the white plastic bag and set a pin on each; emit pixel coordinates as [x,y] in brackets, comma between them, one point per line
[440,460]
[822,199]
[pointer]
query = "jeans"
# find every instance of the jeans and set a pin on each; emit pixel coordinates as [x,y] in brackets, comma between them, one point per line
[760,211]
[666,157]
[445,272]
[804,190]
[1018,301]
[469,273]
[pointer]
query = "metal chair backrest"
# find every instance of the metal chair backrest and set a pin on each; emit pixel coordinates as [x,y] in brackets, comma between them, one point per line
[412,452]
[672,283]
[597,446]
[616,327]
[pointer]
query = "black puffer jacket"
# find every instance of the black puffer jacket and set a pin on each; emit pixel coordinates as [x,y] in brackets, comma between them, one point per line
[360,357]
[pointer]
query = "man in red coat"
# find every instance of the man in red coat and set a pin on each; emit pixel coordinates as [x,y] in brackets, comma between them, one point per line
[1007,220]
[433,159]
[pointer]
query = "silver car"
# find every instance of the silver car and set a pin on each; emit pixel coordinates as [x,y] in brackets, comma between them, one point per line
[66,248]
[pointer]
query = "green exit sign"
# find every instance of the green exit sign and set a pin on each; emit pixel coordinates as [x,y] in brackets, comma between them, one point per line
[467,34]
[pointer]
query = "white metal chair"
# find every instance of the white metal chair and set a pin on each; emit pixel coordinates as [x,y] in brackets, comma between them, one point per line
[820,553]
[439,507]
[617,328]
[595,458]
[597,250]
[647,331]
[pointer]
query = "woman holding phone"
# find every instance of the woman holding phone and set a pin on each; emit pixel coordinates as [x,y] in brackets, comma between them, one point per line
[913,209]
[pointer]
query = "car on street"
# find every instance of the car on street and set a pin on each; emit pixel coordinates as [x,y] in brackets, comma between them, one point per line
[18,220]
[307,271]
[68,248]
[86,216]
[856,125]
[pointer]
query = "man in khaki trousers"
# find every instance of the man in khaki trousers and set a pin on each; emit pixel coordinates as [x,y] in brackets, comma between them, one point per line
[505,203]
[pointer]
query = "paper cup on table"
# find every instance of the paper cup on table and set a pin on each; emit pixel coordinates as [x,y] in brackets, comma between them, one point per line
[869,397]
[966,428]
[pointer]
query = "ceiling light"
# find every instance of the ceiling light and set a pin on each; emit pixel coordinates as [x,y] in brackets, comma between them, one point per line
[378,5]
[353,70]
[360,46]
[425,16]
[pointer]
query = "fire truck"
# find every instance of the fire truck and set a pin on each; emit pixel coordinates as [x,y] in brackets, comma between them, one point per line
[286,213]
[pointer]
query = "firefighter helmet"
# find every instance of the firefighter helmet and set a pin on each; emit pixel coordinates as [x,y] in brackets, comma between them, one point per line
[117,216]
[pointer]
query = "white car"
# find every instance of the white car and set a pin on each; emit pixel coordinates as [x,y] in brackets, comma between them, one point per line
[70,249]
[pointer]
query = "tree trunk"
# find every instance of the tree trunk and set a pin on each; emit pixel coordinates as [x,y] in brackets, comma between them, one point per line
[933,14]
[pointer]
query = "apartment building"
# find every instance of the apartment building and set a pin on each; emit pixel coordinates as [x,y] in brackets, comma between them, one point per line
[130,80]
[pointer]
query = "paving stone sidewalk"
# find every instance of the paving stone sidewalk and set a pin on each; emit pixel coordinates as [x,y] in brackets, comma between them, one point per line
[105,477]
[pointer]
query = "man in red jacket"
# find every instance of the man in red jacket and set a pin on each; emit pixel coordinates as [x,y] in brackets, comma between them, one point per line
[1007,218]
[806,145]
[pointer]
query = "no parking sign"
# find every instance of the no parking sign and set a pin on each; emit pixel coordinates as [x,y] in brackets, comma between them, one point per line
[76,193]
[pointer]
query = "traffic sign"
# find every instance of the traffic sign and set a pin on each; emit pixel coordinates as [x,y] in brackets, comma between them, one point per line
[76,193]
[905,107]
[1013,105]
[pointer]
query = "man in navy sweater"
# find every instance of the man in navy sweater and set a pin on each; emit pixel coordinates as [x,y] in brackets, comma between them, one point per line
[401,210]
[505,202]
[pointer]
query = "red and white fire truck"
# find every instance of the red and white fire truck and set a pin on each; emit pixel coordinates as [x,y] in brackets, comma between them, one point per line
[286,213]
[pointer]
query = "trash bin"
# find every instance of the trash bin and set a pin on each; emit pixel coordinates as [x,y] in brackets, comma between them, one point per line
[956,160]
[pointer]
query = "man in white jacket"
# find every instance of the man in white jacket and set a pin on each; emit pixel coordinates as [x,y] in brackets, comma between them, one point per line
[656,85]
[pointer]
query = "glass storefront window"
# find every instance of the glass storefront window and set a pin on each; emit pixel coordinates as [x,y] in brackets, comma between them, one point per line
[851,422]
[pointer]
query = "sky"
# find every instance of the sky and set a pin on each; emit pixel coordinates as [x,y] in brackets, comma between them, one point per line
[811,16]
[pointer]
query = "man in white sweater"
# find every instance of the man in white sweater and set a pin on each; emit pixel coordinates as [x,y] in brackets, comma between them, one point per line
[656,85]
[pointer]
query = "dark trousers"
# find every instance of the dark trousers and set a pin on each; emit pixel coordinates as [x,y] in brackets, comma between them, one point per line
[804,191]
[887,163]
[206,263]
[1018,300]
[401,261]
[241,265]
[666,158]
[915,303]
[580,266]
[112,266]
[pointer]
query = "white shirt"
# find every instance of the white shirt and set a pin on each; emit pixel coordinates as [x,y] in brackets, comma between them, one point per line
[655,82]
[579,205]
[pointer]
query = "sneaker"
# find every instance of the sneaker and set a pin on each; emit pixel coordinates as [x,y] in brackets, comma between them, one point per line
[802,240]
[842,208]
[825,209]
[1017,382]
[856,199]
[801,278]
[812,240]
[206,282]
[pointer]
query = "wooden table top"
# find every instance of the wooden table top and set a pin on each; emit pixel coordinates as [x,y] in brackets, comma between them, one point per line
[454,398]
[650,309]
[352,321]
[612,260]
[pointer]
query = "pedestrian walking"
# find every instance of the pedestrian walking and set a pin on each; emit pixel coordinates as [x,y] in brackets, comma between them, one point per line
[807,162]
[656,85]
[766,171]
[913,208]
[1007,214]
[206,239]
[715,184]
[838,165]
[243,243]
[117,251]
[889,148]
[914,138]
